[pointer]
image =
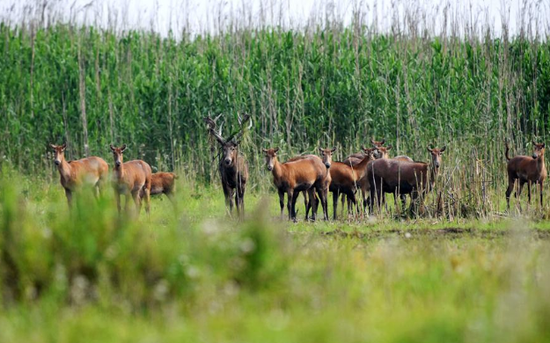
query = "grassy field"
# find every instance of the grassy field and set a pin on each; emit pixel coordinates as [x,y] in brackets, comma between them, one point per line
[192,274]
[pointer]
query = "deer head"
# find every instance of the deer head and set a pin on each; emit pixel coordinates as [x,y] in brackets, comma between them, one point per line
[59,153]
[326,156]
[538,150]
[270,158]
[117,154]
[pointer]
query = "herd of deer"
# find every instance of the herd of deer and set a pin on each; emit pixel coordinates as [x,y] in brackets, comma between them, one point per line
[371,172]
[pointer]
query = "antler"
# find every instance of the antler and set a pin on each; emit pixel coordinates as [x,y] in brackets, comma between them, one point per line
[236,136]
[211,126]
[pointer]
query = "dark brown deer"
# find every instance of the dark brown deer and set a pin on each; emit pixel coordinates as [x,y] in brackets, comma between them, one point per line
[131,179]
[92,171]
[308,173]
[526,169]
[233,167]
[346,180]
[164,183]
[402,177]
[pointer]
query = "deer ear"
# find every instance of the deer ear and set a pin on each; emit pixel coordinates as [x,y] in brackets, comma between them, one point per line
[429,149]
[64,146]
[372,141]
[333,149]
[320,149]
[264,150]
[53,146]
[276,149]
[543,145]
[123,148]
[443,149]
[389,147]
[363,148]
[382,141]
[112,147]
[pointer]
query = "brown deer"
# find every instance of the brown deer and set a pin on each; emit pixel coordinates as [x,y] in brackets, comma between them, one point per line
[92,171]
[347,179]
[131,178]
[525,169]
[164,183]
[307,173]
[311,201]
[233,167]
[402,177]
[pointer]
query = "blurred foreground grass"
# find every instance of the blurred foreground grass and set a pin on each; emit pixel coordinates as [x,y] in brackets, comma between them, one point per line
[194,275]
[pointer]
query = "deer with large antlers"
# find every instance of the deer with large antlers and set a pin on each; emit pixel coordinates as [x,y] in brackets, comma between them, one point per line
[92,171]
[131,178]
[233,167]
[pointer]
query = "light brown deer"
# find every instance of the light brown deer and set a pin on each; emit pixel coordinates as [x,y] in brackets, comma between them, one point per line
[347,179]
[525,169]
[232,166]
[131,179]
[402,177]
[92,171]
[308,173]
[164,183]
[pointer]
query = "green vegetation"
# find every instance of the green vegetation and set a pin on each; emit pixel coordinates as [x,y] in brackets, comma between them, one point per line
[326,86]
[90,275]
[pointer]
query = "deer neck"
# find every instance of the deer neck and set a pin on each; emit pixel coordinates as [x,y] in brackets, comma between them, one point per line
[433,174]
[541,167]
[65,169]
[277,169]
[119,171]
[363,164]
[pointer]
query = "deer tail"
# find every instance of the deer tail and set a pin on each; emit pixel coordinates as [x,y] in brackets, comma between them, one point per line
[507,150]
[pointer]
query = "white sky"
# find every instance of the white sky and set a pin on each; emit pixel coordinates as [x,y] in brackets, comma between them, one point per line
[211,15]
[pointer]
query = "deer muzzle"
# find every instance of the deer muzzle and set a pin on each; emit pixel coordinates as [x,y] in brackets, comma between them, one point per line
[534,156]
[57,162]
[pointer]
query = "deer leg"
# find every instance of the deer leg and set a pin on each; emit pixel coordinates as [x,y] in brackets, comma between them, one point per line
[282,202]
[147,200]
[311,201]
[511,182]
[529,192]
[127,204]
[290,196]
[69,196]
[117,197]
[242,189]
[315,204]
[307,203]
[137,200]
[541,187]
[323,190]
[335,203]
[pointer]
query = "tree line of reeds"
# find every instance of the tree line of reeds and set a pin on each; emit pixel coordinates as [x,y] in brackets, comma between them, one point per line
[326,85]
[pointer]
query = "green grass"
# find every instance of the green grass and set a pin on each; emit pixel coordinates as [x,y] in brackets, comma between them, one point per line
[195,275]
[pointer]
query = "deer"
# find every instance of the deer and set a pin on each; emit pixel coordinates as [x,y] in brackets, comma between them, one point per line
[308,173]
[346,179]
[232,166]
[164,183]
[91,171]
[310,201]
[132,178]
[381,152]
[526,169]
[402,177]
